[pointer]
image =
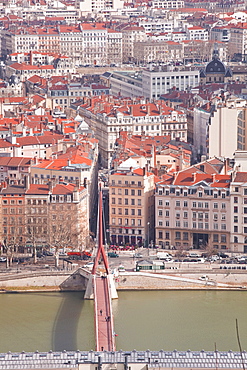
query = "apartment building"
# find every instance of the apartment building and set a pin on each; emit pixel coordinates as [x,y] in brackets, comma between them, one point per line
[131,205]
[197,33]
[24,71]
[107,120]
[78,165]
[63,94]
[154,25]
[167,4]
[193,210]
[47,215]
[238,40]
[131,35]
[157,51]
[26,39]
[220,33]
[95,6]
[12,216]
[152,83]
[238,242]
[15,169]
[157,152]
[160,81]
[91,43]
[88,43]
[227,132]
[41,146]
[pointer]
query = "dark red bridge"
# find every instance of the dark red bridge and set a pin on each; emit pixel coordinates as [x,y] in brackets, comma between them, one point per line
[102,290]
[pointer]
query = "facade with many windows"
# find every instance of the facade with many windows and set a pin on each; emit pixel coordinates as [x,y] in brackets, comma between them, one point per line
[108,119]
[43,215]
[239,212]
[153,83]
[226,131]
[131,206]
[193,210]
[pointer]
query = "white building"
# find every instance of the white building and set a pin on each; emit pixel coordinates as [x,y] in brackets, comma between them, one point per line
[201,118]
[220,33]
[227,129]
[197,33]
[95,6]
[152,83]
[167,4]
[159,25]
[157,81]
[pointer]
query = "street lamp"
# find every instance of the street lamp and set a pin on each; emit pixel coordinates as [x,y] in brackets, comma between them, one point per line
[148,237]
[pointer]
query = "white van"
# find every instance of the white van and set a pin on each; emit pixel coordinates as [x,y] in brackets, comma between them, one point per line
[193,255]
[163,255]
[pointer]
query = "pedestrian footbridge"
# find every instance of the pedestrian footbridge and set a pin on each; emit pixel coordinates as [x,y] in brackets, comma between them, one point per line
[101,288]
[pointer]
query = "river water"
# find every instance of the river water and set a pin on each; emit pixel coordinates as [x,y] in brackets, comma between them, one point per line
[152,320]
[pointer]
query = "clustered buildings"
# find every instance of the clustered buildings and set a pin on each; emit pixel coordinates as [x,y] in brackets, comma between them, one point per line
[48,181]
[157,31]
[190,206]
[154,93]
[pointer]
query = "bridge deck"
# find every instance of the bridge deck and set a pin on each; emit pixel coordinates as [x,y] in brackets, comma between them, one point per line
[105,339]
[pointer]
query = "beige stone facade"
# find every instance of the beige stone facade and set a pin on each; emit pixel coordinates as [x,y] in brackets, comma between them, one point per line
[192,217]
[44,216]
[131,207]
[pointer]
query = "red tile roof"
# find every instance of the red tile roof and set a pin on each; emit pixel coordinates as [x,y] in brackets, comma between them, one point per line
[41,189]
[240,177]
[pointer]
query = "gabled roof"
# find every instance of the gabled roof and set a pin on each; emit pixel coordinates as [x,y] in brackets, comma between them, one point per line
[15,161]
[240,177]
[41,189]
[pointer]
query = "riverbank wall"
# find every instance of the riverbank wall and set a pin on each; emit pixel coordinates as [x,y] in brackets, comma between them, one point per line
[146,281]
[44,280]
[77,280]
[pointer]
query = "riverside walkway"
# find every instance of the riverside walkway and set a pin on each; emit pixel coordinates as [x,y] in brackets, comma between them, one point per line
[128,360]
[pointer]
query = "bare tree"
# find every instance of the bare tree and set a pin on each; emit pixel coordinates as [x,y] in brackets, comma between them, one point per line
[32,235]
[181,251]
[7,248]
[13,239]
[209,249]
[68,228]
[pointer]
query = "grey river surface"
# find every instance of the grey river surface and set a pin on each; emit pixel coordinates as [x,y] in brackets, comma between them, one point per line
[152,320]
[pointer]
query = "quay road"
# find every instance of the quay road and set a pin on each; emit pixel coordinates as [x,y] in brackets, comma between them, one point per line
[133,359]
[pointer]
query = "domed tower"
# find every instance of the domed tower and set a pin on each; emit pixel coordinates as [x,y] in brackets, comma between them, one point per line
[215,71]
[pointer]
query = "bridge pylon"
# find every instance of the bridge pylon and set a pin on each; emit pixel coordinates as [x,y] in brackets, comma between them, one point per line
[101,253]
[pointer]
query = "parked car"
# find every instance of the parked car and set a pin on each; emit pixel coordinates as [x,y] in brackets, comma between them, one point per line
[137,255]
[112,255]
[204,278]
[121,268]
[47,253]
[223,255]
[193,255]
[3,259]
[89,265]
